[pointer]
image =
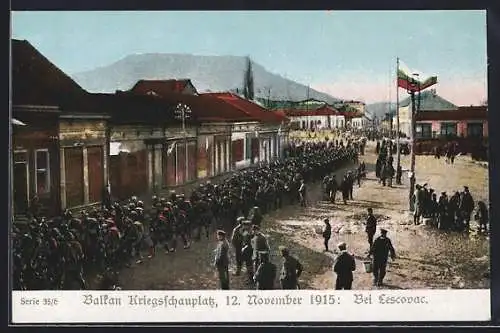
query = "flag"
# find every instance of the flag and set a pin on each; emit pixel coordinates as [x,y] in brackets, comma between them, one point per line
[171,148]
[407,80]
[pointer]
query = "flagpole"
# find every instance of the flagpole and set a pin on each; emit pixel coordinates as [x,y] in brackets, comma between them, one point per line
[398,148]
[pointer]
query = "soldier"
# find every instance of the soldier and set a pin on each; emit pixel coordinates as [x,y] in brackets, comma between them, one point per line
[327,233]
[334,187]
[371,226]
[343,267]
[418,198]
[237,242]
[302,193]
[344,187]
[442,211]
[255,216]
[247,250]
[222,259]
[382,247]
[466,207]
[290,271]
[266,273]
[482,216]
[259,243]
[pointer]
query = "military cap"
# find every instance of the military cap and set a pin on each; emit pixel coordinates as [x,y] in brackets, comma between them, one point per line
[443,193]
[382,230]
[326,220]
[342,246]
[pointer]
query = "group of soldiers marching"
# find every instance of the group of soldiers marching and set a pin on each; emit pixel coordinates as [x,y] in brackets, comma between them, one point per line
[449,213]
[384,167]
[61,253]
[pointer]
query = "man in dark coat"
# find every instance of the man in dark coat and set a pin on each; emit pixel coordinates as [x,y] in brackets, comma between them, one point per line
[237,242]
[290,271]
[222,259]
[259,244]
[371,226]
[247,250]
[266,273]
[382,247]
[343,267]
[466,207]
[327,233]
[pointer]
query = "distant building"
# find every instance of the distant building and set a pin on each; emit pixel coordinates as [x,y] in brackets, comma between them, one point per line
[428,101]
[181,86]
[357,105]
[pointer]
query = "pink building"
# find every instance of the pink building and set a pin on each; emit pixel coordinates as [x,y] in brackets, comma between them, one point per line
[463,122]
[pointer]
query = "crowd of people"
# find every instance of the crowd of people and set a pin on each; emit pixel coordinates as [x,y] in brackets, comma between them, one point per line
[63,252]
[449,213]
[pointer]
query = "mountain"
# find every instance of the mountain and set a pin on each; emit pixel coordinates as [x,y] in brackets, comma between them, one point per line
[380,109]
[208,73]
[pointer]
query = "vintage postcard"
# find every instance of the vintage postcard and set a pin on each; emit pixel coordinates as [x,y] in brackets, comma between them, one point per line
[270,166]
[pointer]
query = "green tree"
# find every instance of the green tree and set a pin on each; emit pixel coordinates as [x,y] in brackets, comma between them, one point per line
[248,84]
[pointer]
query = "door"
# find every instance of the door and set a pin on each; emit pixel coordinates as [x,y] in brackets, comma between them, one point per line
[20,183]
[96,173]
[73,160]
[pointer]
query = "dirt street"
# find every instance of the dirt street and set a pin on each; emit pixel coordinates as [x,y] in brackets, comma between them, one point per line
[426,258]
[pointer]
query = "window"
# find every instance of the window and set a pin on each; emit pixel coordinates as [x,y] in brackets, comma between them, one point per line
[475,130]
[42,170]
[448,129]
[423,131]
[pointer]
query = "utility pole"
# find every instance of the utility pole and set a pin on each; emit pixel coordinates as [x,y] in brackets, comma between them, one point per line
[413,144]
[398,148]
[184,112]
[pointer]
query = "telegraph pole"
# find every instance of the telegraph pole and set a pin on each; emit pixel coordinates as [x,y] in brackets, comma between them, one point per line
[413,145]
[398,148]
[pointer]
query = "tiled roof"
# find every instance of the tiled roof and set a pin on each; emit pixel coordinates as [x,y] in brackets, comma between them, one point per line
[460,113]
[203,107]
[37,81]
[129,108]
[252,109]
[161,86]
[429,101]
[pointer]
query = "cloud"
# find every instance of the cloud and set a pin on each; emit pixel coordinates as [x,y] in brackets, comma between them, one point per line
[458,90]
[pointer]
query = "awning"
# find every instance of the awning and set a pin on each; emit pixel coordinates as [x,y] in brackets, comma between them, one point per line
[17,122]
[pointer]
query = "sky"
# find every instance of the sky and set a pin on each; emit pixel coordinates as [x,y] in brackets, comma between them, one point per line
[348,54]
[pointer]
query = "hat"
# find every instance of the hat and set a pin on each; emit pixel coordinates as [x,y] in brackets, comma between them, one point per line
[221,233]
[443,193]
[342,246]
[466,188]
[383,231]
[418,186]
[240,219]
[326,220]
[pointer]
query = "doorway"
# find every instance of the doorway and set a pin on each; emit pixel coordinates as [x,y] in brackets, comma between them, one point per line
[21,183]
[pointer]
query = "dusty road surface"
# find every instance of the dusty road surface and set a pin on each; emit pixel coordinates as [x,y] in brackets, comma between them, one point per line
[426,258]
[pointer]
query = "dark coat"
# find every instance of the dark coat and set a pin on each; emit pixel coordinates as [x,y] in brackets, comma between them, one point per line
[222,254]
[265,276]
[344,266]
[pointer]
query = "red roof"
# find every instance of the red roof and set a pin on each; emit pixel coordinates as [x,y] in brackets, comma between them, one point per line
[461,113]
[161,86]
[250,108]
[37,81]
[203,107]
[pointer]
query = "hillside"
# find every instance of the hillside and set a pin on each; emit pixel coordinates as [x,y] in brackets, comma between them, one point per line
[380,109]
[208,73]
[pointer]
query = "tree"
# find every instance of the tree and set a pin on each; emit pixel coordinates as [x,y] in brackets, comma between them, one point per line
[248,85]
